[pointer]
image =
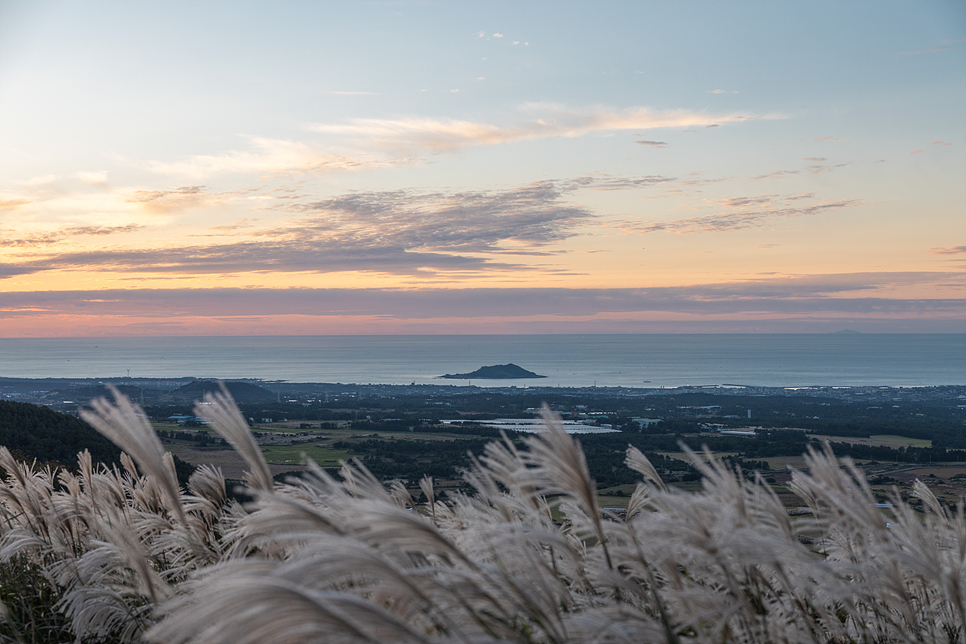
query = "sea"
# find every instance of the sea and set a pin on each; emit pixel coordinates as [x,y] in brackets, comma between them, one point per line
[651,360]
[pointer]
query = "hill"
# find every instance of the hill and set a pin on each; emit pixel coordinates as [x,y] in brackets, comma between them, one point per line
[40,433]
[242,392]
[495,372]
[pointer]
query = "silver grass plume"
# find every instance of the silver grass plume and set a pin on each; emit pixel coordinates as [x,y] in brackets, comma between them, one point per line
[125,424]
[231,425]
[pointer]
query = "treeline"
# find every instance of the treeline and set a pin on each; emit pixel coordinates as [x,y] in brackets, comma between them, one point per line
[202,438]
[412,459]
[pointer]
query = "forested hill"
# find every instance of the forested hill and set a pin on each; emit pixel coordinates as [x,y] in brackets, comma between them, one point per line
[44,434]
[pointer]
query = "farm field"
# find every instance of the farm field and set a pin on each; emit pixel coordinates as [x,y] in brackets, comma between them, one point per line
[879,440]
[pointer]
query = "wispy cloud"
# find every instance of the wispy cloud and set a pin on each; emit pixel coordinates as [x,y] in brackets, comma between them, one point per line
[173,200]
[45,239]
[949,250]
[97,179]
[822,139]
[658,144]
[743,212]
[267,156]
[810,169]
[13,204]
[372,143]
[946,45]
[840,294]
[776,174]
[420,134]
[603,181]
[940,142]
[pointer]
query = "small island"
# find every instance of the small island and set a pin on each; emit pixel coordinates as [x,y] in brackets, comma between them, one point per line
[495,372]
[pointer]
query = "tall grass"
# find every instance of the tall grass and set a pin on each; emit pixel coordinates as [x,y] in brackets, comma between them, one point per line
[134,558]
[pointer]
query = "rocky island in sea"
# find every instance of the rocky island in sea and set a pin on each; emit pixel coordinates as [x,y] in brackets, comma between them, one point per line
[495,372]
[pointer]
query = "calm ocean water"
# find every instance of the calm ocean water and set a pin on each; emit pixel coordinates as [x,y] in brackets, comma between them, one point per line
[567,360]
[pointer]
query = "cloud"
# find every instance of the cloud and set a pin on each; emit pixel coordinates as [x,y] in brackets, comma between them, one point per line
[102,230]
[498,35]
[405,139]
[946,45]
[820,169]
[820,139]
[815,159]
[413,134]
[13,204]
[741,213]
[173,200]
[268,156]
[928,50]
[811,169]
[43,181]
[652,143]
[717,91]
[775,174]
[399,232]
[860,294]
[96,179]
[917,151]
[949,250]
[45,239]
[939,142]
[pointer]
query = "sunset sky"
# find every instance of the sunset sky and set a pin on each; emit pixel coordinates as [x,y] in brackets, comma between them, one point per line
[243,168]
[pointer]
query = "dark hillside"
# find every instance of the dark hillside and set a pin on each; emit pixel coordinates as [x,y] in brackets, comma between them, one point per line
[44,434]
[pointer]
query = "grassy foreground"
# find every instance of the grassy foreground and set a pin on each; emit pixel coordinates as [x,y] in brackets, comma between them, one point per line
[125,555]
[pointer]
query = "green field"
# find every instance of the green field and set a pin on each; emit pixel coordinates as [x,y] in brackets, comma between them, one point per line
[891,440]
[294,454]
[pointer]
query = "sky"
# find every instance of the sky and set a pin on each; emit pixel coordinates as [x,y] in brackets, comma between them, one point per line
[314,168]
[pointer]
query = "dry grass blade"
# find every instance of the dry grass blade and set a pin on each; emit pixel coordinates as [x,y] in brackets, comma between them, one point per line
[126,425]
[231,425]
[636,461]
[559,466]
[266,608]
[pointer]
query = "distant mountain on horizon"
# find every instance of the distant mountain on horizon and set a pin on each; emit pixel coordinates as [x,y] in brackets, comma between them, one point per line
[495,372]
[846,332]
